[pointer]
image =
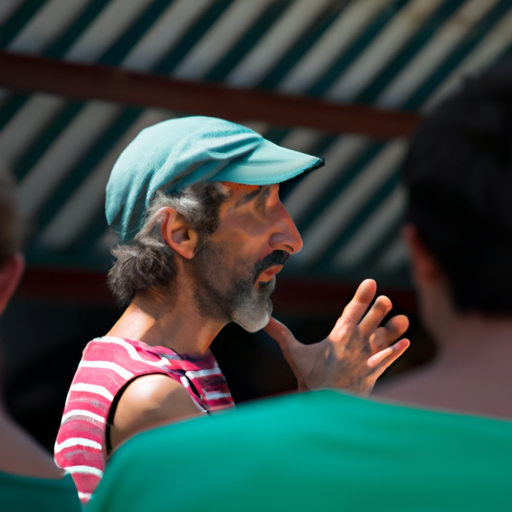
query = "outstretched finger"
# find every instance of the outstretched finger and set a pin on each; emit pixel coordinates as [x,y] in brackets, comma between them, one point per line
[389,333]
[356,308]
[383,359]
[371,321]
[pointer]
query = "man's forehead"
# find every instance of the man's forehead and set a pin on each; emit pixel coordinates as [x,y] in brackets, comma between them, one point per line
[241,189]
[238,194]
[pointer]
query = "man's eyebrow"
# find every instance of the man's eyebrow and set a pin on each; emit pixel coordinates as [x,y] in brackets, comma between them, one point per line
[248,197]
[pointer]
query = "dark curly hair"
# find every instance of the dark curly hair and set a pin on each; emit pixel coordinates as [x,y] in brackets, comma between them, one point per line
[458,173]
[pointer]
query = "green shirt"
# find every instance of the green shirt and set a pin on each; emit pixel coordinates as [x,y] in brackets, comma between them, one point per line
[29,494]
[322,451]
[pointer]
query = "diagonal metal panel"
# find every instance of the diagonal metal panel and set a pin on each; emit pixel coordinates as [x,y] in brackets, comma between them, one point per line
[221,36]
[434,52]
[7,8]
[332,221]
[46,26]
[88,200]
[369,234]
[486,53]
[338,157]
[63,154]
[332,44]
[26,125]
[276,42]
[166,31]
[401,53]
[382,49]
[15,18]
[105,30]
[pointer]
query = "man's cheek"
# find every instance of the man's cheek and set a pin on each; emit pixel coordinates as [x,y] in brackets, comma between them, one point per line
[236,253]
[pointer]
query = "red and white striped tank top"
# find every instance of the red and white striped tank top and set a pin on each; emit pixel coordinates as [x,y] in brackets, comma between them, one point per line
[107,365]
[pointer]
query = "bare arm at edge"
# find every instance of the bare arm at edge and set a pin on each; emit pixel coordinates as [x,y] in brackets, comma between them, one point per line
[149,402]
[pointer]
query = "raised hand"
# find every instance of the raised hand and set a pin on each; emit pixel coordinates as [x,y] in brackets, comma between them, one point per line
[356,352]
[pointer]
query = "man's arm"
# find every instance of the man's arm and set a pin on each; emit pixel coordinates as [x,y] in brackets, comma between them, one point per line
[356,352]
[148,402]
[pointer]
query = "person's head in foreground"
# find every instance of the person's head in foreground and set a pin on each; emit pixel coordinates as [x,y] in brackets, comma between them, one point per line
[458,174]
[203,233]
[29,478]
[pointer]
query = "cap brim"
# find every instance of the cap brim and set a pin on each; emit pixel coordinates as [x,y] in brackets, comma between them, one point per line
[268,164]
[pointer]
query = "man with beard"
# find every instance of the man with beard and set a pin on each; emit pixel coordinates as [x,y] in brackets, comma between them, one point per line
[202,231]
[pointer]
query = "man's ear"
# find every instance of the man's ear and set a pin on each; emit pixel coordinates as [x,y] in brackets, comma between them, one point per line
[425,268]
[10,275]
[178,233]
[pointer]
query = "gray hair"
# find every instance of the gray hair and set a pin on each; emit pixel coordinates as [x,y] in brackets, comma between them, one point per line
[148,263]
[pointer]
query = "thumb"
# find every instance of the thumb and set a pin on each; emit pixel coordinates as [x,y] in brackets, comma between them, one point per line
[280,333]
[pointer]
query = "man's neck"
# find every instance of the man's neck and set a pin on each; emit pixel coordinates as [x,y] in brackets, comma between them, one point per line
[175,324]
[471,371]
[474,338]
[462,336]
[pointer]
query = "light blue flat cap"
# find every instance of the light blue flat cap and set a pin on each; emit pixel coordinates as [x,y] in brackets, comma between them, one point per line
[174,154]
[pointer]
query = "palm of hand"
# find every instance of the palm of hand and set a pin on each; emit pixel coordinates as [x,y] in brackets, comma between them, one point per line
[355,353]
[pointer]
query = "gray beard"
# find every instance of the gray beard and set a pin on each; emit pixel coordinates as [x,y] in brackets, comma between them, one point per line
[241,301]
[253,308]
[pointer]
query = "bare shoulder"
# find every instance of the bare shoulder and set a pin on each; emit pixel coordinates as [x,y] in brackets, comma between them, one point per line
[148,402]
[154,392]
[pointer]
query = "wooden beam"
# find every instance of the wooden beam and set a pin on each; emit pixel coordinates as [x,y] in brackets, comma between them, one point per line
[310,299]
[92,82]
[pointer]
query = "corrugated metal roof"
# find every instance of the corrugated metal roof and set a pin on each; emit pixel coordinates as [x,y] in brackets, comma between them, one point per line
[400,54]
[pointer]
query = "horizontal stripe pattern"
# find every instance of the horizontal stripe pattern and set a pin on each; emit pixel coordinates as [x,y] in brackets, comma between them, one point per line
[203,373]
[91,388]
[84,470]
[107,365]
[132,352]
[217,396]
[81,412]
[77,441]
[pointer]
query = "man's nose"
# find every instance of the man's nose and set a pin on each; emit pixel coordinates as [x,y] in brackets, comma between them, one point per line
[285,236]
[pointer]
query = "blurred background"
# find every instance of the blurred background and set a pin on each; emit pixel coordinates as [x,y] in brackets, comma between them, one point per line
[344,80]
